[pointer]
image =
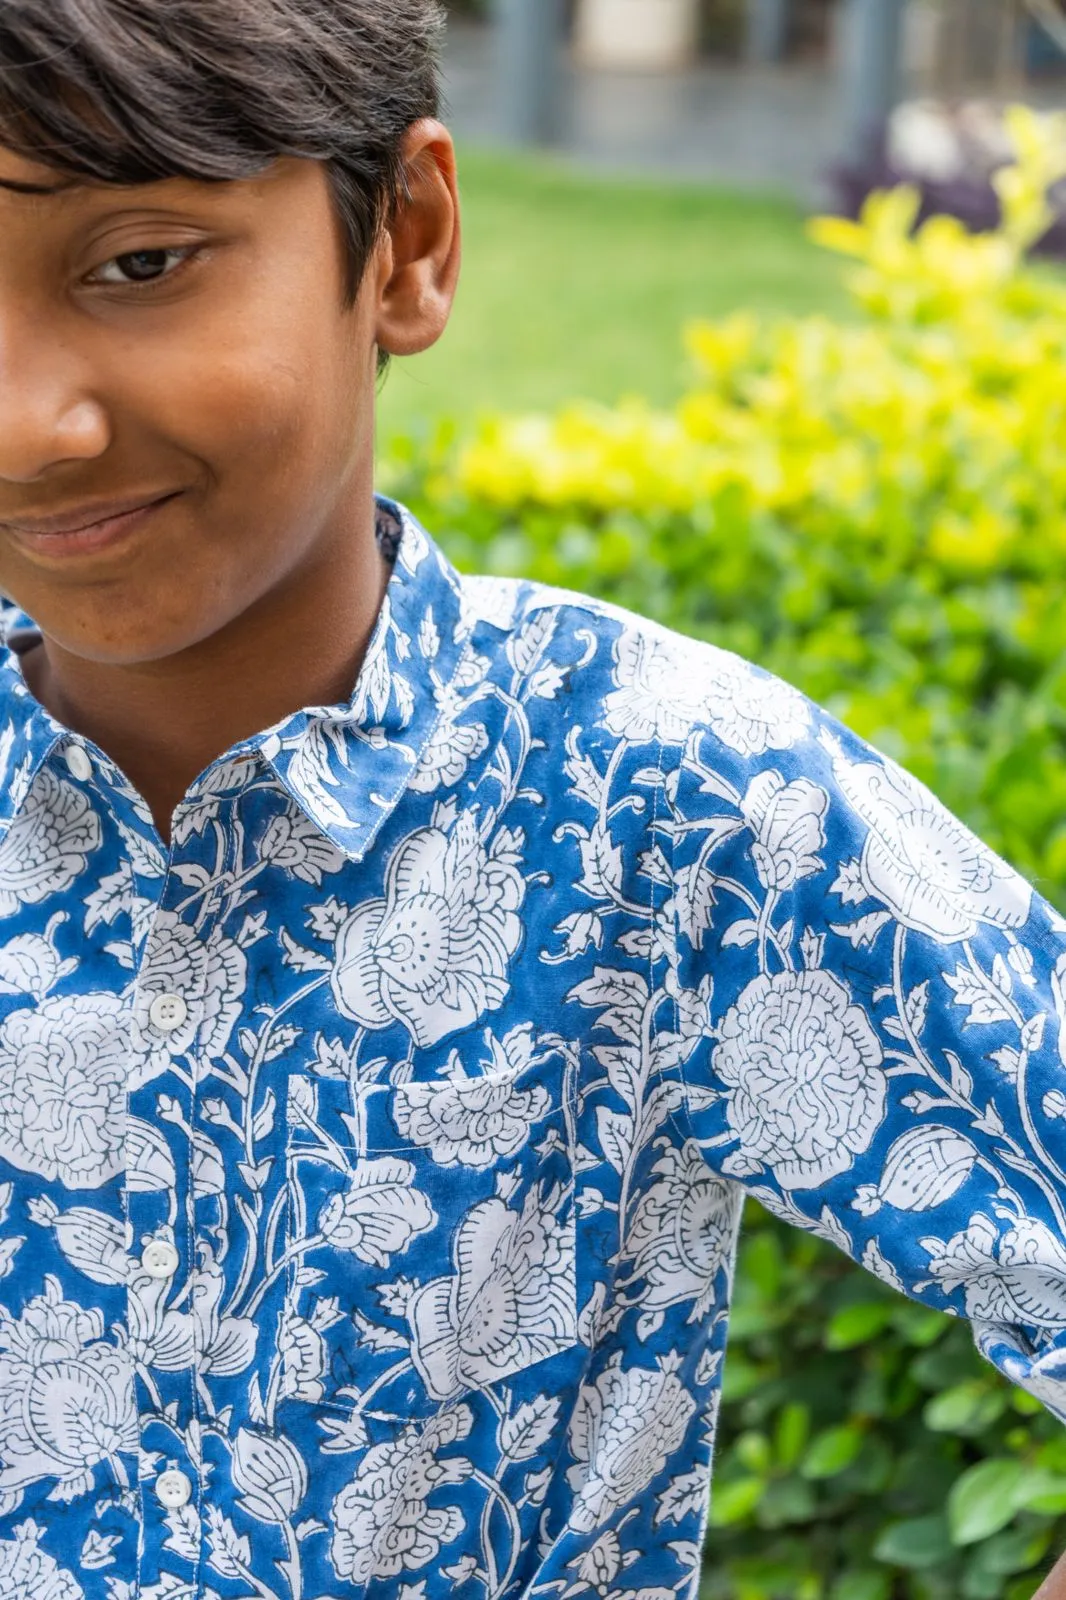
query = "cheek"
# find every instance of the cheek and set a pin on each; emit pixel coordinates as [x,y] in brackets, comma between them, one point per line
[266,448]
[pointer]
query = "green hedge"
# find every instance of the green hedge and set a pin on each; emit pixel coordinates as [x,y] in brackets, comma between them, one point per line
[876,511]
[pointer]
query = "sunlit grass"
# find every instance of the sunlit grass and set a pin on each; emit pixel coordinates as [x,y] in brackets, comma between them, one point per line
[578,285]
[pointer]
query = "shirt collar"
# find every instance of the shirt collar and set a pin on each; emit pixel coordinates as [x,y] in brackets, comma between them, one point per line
[345,766]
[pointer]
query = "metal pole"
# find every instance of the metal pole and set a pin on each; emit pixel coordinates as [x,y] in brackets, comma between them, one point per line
[766,31]
[872,68]
[529,69]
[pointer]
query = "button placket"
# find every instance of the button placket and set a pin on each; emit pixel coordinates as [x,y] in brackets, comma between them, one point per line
[168,1005]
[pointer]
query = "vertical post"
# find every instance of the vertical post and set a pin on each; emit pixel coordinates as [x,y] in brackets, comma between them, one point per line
[529,69]
[872,72]
[766,31]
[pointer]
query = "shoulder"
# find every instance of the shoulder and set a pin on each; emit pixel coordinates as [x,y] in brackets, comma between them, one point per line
[653,685]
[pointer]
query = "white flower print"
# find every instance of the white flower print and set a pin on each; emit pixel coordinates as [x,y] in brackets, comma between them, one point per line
[658,694]
[1044,1378]
[667,686]
[303,1351]
[271,1475]
[749,711]
[30,963]
[489,600]
[382,1521]
[682,1232]
[454,744]
[786,819]
[63,1065]
[805,1069]
[623,1430]
[930,871]
[294,844]
[434,953]
[476,1121]
[91,1241]
[28,1573]
[310,775]
[212,973]
[1016,1276]
[66,1397]
[158,1335]
[48,844]
[510,1302]
[379,1213]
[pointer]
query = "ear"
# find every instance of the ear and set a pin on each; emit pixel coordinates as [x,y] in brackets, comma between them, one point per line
[419,258]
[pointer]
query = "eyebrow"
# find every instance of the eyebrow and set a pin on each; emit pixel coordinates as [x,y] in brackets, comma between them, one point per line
[64,186]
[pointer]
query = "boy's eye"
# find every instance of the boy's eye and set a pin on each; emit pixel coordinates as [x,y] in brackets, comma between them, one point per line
[142,268]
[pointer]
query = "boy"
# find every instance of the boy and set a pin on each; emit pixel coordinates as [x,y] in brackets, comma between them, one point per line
[405,976]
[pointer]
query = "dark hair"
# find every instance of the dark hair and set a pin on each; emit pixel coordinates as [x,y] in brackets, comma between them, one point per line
[135,91]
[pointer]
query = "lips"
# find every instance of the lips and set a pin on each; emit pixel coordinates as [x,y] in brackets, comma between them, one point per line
[59,525]
[87,531]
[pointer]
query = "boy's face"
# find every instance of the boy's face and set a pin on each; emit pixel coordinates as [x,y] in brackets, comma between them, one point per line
[185,343]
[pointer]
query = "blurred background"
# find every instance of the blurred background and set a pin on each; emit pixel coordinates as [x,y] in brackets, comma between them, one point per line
[687,138]
[762,333]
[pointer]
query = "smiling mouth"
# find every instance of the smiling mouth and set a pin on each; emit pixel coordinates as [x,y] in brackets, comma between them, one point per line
[88,537]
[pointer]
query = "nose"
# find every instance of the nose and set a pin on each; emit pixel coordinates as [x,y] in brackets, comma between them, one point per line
[47,417]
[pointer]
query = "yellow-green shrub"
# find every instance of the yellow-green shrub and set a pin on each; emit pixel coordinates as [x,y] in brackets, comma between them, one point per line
[876,510]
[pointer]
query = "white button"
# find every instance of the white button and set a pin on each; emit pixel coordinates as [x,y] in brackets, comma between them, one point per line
[78,762]
[160,1259]
[168,1011]
[173,1488]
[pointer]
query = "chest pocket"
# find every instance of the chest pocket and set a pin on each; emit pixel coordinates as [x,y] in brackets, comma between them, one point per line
[431,1235]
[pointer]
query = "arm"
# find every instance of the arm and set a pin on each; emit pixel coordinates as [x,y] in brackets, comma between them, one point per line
[1054,1585]
[884,1055]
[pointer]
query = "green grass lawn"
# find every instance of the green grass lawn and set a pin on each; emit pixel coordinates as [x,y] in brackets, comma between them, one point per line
[578,285]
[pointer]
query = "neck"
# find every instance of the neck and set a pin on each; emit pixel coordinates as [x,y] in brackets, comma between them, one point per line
[163,722]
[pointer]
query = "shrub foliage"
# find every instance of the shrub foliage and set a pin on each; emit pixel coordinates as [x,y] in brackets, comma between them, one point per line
[875,510]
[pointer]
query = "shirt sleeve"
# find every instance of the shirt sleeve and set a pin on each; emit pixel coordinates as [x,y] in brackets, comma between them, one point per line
[880,1005]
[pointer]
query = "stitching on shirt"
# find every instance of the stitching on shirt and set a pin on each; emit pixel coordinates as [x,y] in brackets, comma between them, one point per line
[682,1117]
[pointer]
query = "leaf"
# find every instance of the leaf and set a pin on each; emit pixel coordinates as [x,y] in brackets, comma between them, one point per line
[1033,1032]
[326,920]
[282,1040]
[966,1409]
[854,1325]
[734,1502]
[917,1005]
[625,994]
[654,865]
[832,1451]
[622,1062]
[525,647]
[961,1081]
[970,991]
[191,874]
[915,1543]
[865,1583]
[861,934]
[376,1337]
[1001,976]
[299,958]
[741,933]
[601,865]
[983,1500]
[695,900]
[585,782]
[263,1125]
[525,1433]
[615,1130]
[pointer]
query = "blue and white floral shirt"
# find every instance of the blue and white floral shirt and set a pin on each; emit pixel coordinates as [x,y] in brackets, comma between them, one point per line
[371,1159]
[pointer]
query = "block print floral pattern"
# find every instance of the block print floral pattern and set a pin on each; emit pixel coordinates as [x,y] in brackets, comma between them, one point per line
[373,1157]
